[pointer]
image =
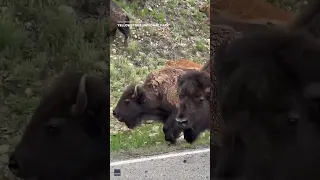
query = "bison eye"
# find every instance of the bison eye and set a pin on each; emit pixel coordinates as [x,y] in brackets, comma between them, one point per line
[293,121]
[52,129]
[127,101]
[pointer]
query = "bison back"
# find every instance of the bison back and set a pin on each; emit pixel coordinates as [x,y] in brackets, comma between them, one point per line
[183,63]
[163,83]
[117,13]
[254,9]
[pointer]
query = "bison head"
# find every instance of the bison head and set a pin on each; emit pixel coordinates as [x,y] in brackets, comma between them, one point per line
[67,137]
[194,94]
[271,121]
[134,105]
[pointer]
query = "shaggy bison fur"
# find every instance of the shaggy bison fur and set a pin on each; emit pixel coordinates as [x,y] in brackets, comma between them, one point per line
[194,89]
[155,99]
[67,136]
[119,16]
[218,36]
[269,108]
[253,10]
[182,63]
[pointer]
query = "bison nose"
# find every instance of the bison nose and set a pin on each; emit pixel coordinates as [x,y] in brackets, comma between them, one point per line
[14,166]
[182,122]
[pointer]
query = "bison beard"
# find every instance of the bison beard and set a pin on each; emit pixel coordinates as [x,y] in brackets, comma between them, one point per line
[67,137]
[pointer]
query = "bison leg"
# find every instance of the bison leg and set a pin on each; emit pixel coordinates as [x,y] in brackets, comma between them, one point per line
[171,130]
[171,134]
[113,35]
[176,132]
[190,135]
[125,31]
[168,136]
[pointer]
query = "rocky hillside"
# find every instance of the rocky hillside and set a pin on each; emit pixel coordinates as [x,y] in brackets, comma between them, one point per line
[185,36]
[37,43]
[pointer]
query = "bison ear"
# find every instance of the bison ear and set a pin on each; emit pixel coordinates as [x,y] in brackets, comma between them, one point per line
[81,103]
[139,94]
[204,79]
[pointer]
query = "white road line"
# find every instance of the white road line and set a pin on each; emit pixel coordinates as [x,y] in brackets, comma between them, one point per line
[158,157]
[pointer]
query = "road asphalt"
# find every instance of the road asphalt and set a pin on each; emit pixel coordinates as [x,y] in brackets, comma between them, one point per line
[183,165]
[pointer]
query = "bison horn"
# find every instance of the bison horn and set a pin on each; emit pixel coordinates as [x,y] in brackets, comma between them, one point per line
[207,90]
[81,102]
[135,92]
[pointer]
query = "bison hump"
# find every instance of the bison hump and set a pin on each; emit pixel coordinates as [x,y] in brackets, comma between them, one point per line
[164,83]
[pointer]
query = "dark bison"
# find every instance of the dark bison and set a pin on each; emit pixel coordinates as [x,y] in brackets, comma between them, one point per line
[204,8]
[218,36]
[269,107]
[252,11]
[225,29]
[119,20]
[182,63]
[156,99]
[67,137]
[194,89]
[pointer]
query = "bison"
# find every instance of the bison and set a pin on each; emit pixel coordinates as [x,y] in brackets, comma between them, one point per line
[68,134]
[225,30]
[119,20]
[270,113]
[182,63]
[194,89]
[253,10]
[155,99]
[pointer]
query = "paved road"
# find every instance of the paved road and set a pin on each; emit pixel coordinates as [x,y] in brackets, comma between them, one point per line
[183,165]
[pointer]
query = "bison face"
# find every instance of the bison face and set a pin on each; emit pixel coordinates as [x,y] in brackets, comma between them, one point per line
[62,140]
[280,140]
[56,147]
[133,105]
[194,106]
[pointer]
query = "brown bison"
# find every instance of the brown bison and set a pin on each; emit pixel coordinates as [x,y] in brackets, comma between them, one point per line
[182,63]
[269,106]
[249,16]
[252,10]
[155,99]
[194,89]
[119,20]
[67,136]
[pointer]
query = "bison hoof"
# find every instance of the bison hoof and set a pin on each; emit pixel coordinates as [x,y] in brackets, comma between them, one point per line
[190,138]
[171,140]
[172,143]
